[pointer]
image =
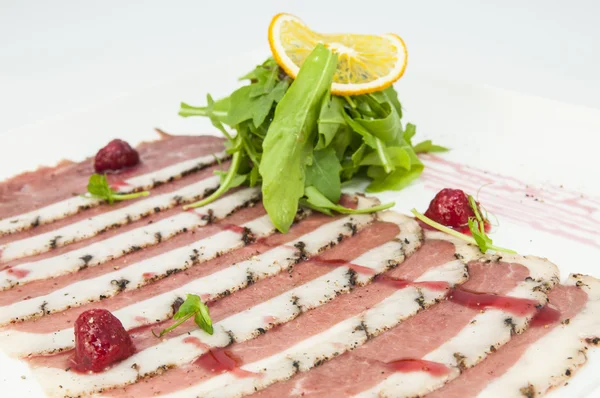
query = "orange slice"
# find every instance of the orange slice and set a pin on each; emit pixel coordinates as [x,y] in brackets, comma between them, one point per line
[366,63]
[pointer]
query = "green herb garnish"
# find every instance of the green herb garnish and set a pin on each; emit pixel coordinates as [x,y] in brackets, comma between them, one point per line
[191,307]
[301,143]
[99,189]
[477,227]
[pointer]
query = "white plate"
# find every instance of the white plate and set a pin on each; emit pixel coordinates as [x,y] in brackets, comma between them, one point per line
[516,142]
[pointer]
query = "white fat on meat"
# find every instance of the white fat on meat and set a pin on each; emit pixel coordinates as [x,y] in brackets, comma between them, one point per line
[251,322]
[343,336]
[75,204]
[553,367]
[159,307]
[485,333]
[109,249]
[132,277]
[92,226]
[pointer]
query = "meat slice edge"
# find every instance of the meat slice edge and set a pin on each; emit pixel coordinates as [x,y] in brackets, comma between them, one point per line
[557,354]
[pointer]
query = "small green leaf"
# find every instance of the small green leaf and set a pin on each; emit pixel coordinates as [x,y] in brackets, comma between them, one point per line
[385,128]
[428,146]
[319,202]
[202,319]
[254,176]
[398,156]
[324,174]
[409,132]
[214,118]
[237,180]
[331,120]
[358,128]
[394,181]
[98,188]
[191,305]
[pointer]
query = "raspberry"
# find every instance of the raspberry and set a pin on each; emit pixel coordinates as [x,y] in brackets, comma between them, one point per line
[100,341]
[450,207]
[117,155]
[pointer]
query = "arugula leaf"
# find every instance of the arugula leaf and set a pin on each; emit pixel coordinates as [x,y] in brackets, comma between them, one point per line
[236,181]
[428,146]
[331,120]
[218,109]
[191,307]
[390,95]
[477,228]
[324,174]
[398,156]
[293,136]
[226,183]
[319,202]
[386,126]
[409,133]
[98,188]
[288,146]
[358,128]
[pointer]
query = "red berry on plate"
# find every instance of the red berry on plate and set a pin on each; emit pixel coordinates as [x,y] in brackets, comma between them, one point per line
[450,207]
[100,341]
[117,155]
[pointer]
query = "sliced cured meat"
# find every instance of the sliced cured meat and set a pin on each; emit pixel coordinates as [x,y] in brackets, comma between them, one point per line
[119,245]
[45,195]
[95,225]
[156,304]
[185,237]
[256,320]
[97,211]
[427,350]
[326,331]
[569,324]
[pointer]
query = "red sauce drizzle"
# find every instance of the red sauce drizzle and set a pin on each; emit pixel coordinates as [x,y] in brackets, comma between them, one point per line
[19,273]
[402,283]
[419,365]
[514,305]
[546,316]
[219,360]
[119,184]
[149,275]
[196,341]
[233,228]
[339,262]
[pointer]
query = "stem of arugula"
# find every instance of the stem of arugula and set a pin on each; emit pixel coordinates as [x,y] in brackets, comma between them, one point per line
[443,228]
[350,102]
[382,156]
[128,196]
[454,233]
[173,326]
[235,164]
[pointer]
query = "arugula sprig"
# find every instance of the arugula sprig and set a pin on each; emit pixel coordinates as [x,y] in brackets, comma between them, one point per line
[98,188]
[301,143]
[191,307]
[476,226]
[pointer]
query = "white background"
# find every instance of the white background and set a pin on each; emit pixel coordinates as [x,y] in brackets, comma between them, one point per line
[61,56]
[75,74]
